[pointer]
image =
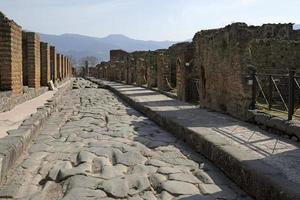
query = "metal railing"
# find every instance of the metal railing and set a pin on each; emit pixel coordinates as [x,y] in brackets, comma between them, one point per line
[276,91]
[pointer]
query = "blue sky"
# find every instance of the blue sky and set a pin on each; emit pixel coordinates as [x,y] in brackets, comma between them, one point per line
[145,19]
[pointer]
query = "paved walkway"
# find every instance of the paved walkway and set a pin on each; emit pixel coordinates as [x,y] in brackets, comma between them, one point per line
[95,147]
[265,155]
[12,119]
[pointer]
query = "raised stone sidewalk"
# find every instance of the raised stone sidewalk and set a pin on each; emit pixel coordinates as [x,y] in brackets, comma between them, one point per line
[14,146]
[263,164]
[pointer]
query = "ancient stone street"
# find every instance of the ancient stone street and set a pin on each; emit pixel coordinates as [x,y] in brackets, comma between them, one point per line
[96,147]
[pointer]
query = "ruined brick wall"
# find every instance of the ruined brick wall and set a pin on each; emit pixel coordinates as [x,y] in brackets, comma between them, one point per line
[140,72]
[10,56]
[151,70]
[31,58]
[53,64]
[118,55]
[163,72]
[181,56]
[58,66]
[222,58]
[63,65]
[274,55]
[45,63]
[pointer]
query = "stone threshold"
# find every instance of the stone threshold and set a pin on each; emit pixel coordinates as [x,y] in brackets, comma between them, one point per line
[254,173]
[13,146]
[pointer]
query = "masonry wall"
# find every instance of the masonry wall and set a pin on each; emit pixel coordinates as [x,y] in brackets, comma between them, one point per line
[222,57]
[45,64]
[58,66]
[163,72]
[10,56]
[31,60]
[53,64]
[118,55]
[141,72]
[181,56]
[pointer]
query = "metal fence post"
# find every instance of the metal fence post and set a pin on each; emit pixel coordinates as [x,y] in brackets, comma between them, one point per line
[291,95]
[254,90]
[270,92]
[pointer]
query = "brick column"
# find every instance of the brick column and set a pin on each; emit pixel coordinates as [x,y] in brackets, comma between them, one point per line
[10,55]
[58,66]
[45,64]
[31,60]
[53,64]
[65,67]
[140,72]
[163,73]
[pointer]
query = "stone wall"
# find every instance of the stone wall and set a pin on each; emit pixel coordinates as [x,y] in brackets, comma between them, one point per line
[214,69]
[31,59]
[10,56]
[45,64]
[141,72]
[58,66]
[163,72]
[118,55]
[53,64]
[181,56]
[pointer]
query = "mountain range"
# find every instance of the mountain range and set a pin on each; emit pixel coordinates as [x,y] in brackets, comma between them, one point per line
[79,46]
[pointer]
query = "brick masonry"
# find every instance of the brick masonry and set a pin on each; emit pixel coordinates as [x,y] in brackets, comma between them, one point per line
[31,59]
[53,64]
[45,64]
[10,55]
[58,66]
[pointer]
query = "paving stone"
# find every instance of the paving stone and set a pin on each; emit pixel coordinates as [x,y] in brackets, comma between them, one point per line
[156,163]
[178,187]
[84,194]
[84,156]
[80,181]
[168,170]
[148,196]
[218,192]
[144,170]
[165,196]
[185,177]
[130,158]
[157,179]
[53,173]
[116,187]
[203,176]
[137,183]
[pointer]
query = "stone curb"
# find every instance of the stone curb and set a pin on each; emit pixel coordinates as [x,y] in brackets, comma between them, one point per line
[16,143]
[255,177]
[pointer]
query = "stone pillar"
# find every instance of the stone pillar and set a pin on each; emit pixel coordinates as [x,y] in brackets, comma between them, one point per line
[58,66]
[45,64]
[10,56]
[86,72]
[31,60]
[53,64]
[151,76]
[65,67]
[62,66]
[163,73]
[140,72]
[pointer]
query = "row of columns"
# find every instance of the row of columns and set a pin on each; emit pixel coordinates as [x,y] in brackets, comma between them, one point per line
[25,61]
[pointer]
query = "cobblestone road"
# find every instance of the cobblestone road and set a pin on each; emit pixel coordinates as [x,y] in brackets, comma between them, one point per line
[96,147]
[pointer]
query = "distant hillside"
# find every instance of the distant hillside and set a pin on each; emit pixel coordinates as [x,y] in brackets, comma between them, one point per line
[296,26]
[79,46]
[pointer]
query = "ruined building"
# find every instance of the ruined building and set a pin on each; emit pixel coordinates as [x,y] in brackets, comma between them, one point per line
[26,61]
[214,69]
